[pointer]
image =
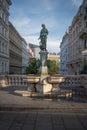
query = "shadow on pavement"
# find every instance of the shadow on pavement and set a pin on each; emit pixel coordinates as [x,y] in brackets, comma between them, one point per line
[15,90]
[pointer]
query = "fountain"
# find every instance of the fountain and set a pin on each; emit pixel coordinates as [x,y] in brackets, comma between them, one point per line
[43,86]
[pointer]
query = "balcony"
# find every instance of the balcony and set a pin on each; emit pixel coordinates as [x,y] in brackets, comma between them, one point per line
[71,62]
[83,33]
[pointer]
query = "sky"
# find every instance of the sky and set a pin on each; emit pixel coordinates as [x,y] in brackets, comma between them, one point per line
[27,16]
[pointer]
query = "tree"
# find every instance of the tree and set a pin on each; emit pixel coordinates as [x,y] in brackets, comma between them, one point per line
[54,68]
[32,68]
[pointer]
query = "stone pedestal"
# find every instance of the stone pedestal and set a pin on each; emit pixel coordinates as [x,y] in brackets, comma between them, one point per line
[43,86]
[46,87]
[43,70]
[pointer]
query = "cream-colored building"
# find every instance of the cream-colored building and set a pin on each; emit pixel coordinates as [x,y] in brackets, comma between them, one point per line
[4,36]
[15,51]
[64,55]
[78,41]
[54,56]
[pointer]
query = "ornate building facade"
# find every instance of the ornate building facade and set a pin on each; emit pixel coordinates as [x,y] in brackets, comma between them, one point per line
[35,49]
[78,41]
[4,36]
[25,56]
[64,55]
[15,51]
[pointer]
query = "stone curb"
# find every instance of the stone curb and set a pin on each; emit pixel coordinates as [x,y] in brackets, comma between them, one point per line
[27,108]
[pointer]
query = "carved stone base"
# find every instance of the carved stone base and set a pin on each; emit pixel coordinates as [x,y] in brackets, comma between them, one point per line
[46,87]
[43,86]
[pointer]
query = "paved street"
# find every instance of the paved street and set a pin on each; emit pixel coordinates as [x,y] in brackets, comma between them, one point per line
[44,120]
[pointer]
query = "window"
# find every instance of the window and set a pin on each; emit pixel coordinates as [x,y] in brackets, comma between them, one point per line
[1,12]
[1,29]
[0,46]
[85,43]
[6,20]
[86,24]
[6,33]
[6,49]
[4,17]
[5,67]
[86,10]
[2,66]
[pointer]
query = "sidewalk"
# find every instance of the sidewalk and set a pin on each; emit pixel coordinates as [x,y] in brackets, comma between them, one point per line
[12,101]
[25,113]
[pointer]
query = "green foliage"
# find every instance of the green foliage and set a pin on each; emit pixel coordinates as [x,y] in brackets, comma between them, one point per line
[54,68]
[32,68]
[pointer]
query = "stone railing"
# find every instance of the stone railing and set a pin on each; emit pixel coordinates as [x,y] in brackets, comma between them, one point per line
[17,80]
[71,81]
[74,83]
[3,80]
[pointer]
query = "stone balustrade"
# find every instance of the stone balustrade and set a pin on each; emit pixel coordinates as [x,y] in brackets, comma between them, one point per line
[3,81]
[69,85]
[17,80]
[70,81]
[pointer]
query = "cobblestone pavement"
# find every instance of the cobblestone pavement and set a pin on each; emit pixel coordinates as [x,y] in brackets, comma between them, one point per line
[74,119]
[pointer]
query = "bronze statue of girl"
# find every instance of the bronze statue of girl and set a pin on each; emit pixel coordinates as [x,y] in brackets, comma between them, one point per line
[43,37]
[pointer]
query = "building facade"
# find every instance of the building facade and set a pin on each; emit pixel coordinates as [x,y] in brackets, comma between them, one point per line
[15,51]
[25,56]
[78,41]
[54,56]
[4,36]
[64,55]
[35,49]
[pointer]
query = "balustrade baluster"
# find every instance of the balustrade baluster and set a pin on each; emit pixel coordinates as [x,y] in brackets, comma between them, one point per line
[16,80]
[12,81]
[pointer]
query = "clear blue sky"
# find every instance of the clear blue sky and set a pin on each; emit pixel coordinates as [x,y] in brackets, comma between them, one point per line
[28,15]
